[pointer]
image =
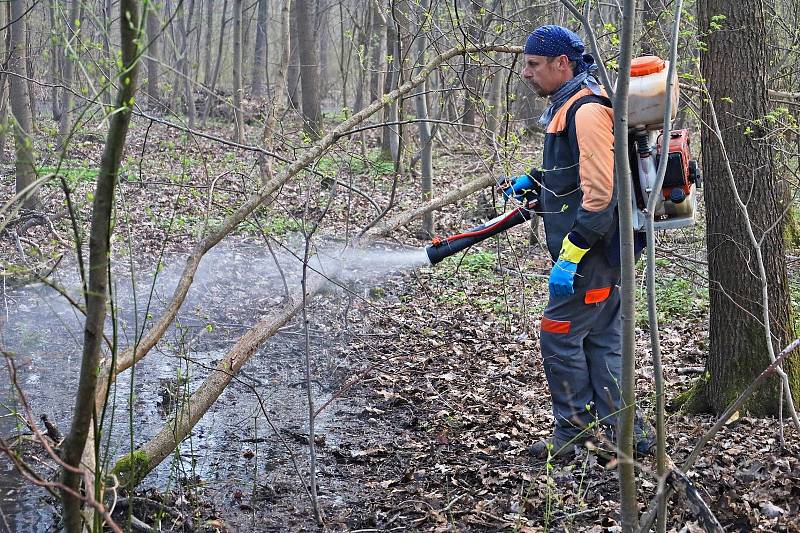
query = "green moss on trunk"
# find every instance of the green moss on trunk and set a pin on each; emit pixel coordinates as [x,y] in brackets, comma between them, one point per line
[131,469]
[693,400]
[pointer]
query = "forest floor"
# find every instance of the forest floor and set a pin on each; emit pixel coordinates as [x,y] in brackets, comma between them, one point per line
[434,375]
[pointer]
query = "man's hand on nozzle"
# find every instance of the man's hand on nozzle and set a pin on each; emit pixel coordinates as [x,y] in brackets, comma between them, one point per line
[520,188]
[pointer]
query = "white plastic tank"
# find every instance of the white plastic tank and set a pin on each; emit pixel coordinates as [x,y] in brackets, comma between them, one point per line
[647,93]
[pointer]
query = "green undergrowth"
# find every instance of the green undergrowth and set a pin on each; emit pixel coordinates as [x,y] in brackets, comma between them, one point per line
[676,299]
[72,174]
[472,280]
[373,165]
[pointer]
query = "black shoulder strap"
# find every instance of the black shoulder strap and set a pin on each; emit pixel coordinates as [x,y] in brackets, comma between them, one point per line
[588,99]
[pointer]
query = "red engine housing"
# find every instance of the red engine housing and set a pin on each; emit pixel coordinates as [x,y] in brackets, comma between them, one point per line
[678,173]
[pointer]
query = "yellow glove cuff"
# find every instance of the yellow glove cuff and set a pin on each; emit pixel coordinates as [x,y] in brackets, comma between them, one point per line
[570,252]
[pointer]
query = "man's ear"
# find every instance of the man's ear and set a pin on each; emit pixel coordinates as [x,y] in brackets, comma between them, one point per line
[563,62]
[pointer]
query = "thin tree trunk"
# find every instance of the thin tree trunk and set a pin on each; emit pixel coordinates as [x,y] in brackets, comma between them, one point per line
[96,299]
[209,39]
[218,62]
[56,52]
[309,68]
[260,52]
[425,143]
[73,27]
[269,133]
[377,49]
[294,91]
[390,142]
[183,61]
[323,45]
[344,56]
[4,82]
[625,424]
[237,70]
[29,70]
[108,96]
[20,107]
[472,71]
[283,65]
[365,39]
[152,52]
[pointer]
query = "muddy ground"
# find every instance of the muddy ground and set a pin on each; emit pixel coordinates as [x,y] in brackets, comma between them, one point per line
[433,375]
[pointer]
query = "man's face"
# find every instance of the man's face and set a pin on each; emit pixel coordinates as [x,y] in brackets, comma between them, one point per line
[546,74]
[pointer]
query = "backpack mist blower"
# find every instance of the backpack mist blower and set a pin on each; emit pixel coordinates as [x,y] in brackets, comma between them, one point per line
[441,248]
[676,200]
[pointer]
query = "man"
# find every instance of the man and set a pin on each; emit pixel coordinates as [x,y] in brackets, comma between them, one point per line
[577,198]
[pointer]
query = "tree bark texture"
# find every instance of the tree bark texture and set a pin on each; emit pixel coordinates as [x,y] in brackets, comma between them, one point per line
[73,25]
[208,39]
[426,145]
[293,73]
[29,69]
[734,67]
[260,52]
[99,243]
[56,52]
[309,67]
[152,52]
[237,70]
[184,21]
[20,108]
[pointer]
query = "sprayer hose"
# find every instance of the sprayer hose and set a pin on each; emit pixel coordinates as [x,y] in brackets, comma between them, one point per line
[485,230]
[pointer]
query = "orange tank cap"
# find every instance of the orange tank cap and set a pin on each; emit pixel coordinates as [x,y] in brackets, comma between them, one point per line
[644,65]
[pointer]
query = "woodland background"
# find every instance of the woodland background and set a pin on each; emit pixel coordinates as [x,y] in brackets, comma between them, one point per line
[179,178]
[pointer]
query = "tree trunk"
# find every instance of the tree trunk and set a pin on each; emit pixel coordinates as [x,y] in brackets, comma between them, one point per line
[73,27]
[309,67]
[20,108]
[293,73]
[56,52]
[237,70]
[472,69]
[29,69]
[426,148]
[622,170]
[108,95]
[738,347]
[184,23]
[152,52]
[260,52]
[96,299]
[213,82]
[364,41]
[390,141]
[323,44]
[376,51]
[209,39]
[285,57]
[268,134]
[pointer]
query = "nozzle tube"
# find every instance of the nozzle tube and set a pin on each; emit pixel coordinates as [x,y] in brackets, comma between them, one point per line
[455,243]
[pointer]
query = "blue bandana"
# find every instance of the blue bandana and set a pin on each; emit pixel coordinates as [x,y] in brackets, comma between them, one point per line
[554,41]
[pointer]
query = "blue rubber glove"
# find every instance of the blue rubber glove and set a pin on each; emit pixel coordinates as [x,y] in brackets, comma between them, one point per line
[520,187]
[561,277]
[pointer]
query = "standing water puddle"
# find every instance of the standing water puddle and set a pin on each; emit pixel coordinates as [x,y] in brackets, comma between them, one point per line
[234,287]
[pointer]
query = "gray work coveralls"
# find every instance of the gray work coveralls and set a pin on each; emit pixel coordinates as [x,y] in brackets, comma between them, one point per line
[581,333]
